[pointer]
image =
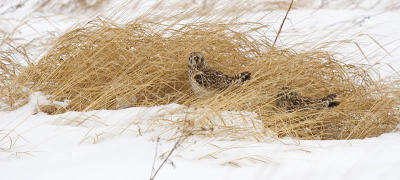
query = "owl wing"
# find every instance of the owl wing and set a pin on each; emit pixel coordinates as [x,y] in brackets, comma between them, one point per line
[213,79]
[291,100]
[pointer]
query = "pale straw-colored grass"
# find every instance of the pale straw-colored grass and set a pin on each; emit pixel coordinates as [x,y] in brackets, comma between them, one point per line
[103,65]
[107,66]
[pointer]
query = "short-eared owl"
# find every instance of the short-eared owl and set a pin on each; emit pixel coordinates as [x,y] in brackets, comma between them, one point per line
[289,100]
[205,80]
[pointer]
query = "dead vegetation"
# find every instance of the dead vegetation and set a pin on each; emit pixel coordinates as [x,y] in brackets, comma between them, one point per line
[12,93]
[106,66]
[103,65]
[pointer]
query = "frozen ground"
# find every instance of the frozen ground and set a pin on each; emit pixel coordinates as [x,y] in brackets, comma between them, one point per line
[54,147]
[121,145]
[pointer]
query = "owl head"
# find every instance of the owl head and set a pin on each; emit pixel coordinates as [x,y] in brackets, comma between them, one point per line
[196,60]
[286,93]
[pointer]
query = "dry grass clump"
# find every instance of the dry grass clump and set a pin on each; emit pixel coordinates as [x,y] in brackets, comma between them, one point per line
[106,66]
[12,92]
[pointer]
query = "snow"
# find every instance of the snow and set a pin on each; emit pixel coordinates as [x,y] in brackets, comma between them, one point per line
[53,147]
[121,144]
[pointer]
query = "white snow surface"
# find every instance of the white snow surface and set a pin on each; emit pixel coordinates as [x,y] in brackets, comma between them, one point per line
[54,147]
[121,144]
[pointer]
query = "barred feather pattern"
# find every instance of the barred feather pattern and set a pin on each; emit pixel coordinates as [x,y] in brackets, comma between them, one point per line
[289,100]
[205,80]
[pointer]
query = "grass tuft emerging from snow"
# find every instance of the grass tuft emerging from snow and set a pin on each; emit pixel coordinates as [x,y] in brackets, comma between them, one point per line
[103,65]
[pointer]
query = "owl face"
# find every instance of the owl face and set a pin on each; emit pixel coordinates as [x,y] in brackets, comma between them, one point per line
[286,93]
[196,60]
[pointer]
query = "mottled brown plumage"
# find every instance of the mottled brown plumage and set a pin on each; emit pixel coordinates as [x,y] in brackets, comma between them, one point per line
[289,100]
[205,80]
